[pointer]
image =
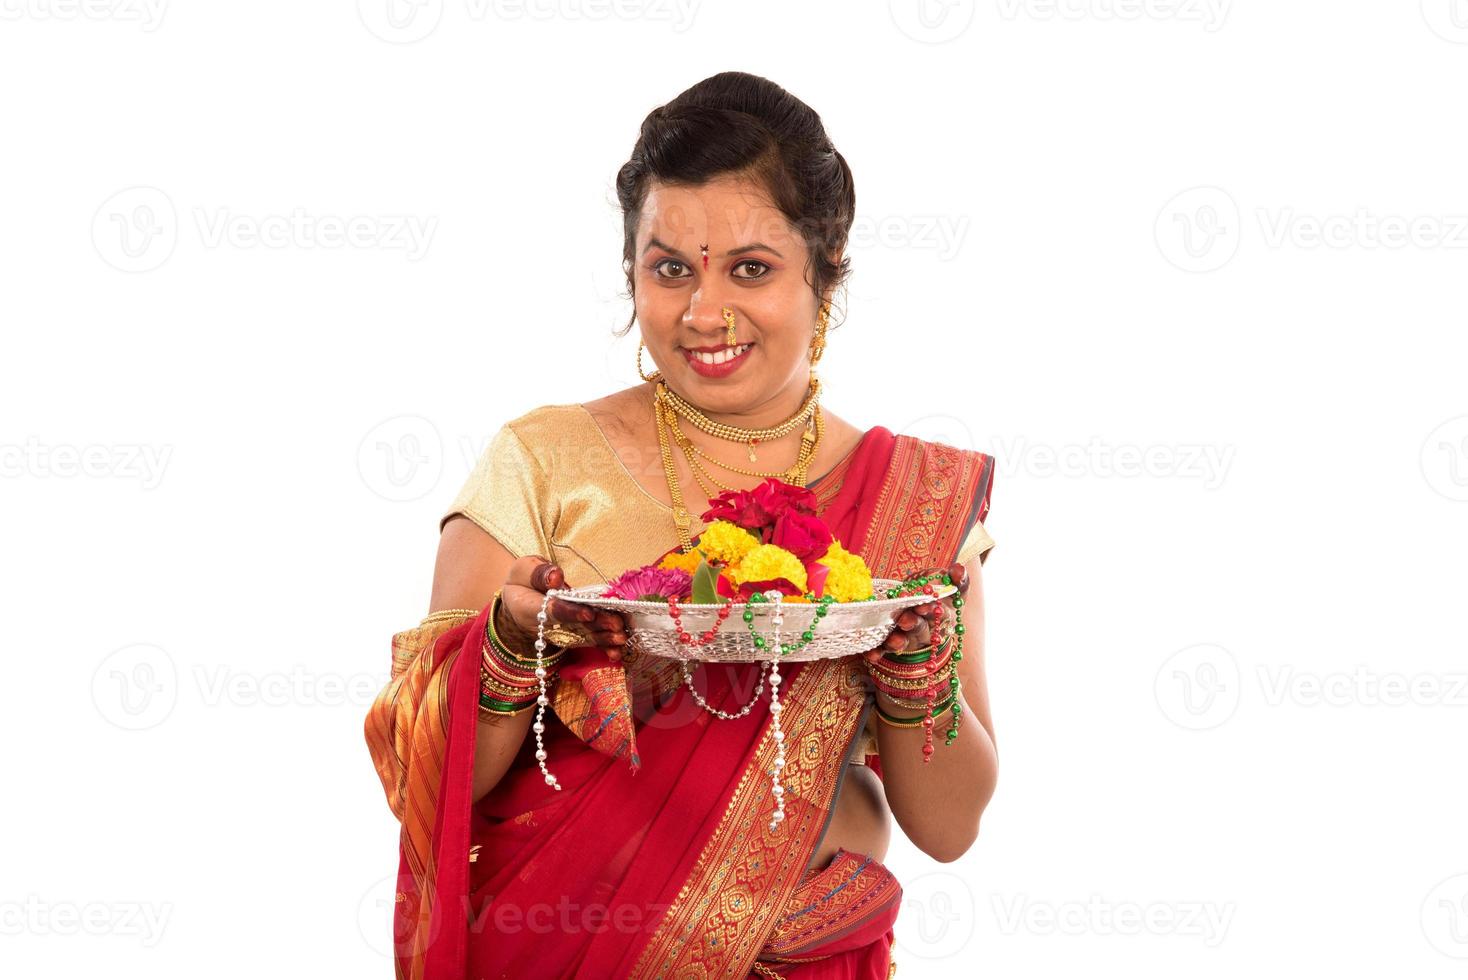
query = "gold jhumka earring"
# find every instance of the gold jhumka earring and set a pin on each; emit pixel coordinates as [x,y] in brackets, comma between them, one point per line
[818,342]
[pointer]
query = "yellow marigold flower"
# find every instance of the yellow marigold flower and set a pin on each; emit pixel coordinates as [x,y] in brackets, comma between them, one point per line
[767,561]
[726,541]
[688,562]
[849,579]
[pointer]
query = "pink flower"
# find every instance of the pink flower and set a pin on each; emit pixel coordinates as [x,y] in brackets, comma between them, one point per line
[651,584]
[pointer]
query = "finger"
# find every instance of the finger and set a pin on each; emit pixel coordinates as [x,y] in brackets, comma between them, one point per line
[896,641]
[606,638]
[959,572]
[536,572]
[564,611]
[608,619]
[920,635]
[907,619]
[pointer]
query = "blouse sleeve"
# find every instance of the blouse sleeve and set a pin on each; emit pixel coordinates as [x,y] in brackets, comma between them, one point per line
[508,495]
[976,540]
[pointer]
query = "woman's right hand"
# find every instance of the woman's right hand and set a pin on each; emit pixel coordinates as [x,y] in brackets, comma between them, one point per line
[524,591]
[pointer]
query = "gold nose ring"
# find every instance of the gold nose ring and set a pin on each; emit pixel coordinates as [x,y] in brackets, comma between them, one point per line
[729,321]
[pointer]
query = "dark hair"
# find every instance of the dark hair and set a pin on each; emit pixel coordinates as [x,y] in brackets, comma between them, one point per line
[734,123]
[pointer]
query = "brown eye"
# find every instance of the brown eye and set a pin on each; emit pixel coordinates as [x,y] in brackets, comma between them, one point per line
[752,264]
[659,268]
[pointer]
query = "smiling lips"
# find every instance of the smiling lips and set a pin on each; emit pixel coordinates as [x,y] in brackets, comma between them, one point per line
[716,362]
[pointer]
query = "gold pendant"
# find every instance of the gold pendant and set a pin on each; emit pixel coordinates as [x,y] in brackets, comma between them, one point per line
[752,457]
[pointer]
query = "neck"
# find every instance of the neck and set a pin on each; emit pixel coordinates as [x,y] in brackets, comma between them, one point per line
[770,412]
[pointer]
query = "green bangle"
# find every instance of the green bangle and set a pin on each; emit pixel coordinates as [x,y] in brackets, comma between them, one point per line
[911,657]
[505,707]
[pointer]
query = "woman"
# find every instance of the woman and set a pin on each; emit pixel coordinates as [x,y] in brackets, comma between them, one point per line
[656,855]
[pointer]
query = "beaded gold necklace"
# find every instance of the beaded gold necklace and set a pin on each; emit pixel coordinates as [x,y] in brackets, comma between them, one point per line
[734,433]
[665,415]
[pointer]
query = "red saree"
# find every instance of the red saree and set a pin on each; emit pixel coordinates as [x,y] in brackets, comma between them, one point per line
[655,859]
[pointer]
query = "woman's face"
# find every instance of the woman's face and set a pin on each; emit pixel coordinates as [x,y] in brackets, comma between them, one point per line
[756,267]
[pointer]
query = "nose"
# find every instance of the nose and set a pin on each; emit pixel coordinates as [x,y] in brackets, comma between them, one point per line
[705,316]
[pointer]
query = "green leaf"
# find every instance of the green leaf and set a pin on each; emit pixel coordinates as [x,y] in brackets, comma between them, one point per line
[705,581]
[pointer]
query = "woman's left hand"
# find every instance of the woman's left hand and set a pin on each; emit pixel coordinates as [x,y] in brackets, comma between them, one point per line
[911,630]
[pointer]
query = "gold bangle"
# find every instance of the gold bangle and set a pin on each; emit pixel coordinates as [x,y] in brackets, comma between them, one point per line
[515,658]
[443,614]
[915,722]
[911,684]
[506,714]
[508,692]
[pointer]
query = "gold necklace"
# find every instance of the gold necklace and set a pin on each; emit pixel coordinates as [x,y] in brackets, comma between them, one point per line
[681,518]
[795,473]
[736,433]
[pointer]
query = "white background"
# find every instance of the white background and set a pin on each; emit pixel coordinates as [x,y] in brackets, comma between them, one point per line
[1225,239]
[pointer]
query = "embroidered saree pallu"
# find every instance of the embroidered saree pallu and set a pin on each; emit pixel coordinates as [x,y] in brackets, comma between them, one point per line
[657,857]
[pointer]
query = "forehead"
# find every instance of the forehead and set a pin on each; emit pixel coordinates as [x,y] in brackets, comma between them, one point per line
[725,212]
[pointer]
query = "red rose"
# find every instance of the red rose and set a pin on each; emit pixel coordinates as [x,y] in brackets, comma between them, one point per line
[803,535]
[748,589]
[777,497]
[739,507]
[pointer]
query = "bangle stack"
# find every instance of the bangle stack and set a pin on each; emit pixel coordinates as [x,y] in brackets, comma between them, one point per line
[508,682]
[912,679]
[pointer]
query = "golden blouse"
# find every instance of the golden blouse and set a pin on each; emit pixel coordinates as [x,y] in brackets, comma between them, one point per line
[550,483]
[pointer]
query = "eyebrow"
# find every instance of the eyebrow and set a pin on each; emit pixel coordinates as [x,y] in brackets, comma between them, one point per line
[752,247]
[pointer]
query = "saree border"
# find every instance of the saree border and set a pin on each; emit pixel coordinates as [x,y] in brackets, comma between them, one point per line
[716,927]
[717,924]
